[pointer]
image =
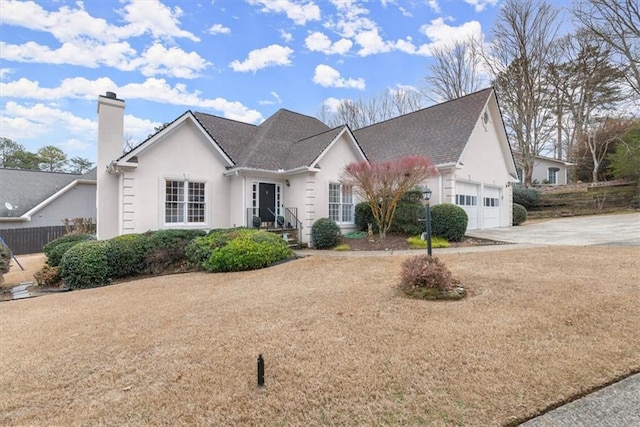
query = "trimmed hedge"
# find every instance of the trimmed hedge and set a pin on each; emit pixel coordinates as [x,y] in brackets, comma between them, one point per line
[5,261]
[325,234]
[55,250]
[166,248]
[86,265]
[519,214]
[408,213]
[127,255]
[449,221]
[527,197]
[237,250]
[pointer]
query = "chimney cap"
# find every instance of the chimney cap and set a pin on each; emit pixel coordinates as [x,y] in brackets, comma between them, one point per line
[111,95]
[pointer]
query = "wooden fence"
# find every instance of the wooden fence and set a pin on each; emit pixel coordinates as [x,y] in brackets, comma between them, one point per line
[31,240]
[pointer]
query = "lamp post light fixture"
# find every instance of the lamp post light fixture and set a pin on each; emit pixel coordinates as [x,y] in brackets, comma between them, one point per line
[426,194]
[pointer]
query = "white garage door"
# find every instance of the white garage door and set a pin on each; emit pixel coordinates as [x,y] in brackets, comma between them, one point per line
[467,199]
[491,207]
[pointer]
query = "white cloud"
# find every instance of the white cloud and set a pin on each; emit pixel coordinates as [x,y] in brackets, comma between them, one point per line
[157,60]
[351,19]
[174,62]
[262,58]
[20,121]
[298,12]
[152,89]
[332,104]
[329,77]
[371,43]
[480,5]
[276,100]
[219,29]
[5,72]
[287,37]
[75,145]
[433,4]
[442,35]
[319,42]
[72,24]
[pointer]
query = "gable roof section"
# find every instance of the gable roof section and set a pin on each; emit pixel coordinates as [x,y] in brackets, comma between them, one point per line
[127,158]
[23,190]
[439,132]
[276,137]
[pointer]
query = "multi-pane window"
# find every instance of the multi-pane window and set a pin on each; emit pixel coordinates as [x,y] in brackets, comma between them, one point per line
[465,200]
[553,175]
[184,202]
[341,203]
[491,202]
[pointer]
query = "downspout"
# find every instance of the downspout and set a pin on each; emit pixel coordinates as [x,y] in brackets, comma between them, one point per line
[244,200]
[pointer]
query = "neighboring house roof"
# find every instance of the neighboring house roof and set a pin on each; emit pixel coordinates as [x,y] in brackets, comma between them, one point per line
[21,191]
[443,131]
[517,157]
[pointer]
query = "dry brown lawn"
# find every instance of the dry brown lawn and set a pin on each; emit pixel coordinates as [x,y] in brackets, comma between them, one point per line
[342,345]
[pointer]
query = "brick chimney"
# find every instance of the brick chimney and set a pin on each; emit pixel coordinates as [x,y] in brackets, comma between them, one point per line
[110,141]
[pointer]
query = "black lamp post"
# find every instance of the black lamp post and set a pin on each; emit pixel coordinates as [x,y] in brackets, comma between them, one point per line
[426,194]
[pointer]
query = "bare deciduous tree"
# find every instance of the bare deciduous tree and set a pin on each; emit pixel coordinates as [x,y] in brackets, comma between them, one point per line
[617,24]
[383,184]
[521,49]
[365,112]
[454,72]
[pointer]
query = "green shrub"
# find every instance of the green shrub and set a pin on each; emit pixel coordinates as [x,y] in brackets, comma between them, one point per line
[55,249]
[244,250]
[325,233]
[519,214]
[166,249]
[127,255]
[5,261]
[86,265]
[409,212]
[449,222]
[343,247]
[424,271]
[364,217]
[527,197]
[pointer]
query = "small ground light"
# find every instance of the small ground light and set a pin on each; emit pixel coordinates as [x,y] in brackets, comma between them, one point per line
[260,371]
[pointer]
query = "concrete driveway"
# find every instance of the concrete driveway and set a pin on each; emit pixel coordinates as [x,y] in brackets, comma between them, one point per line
[612,230]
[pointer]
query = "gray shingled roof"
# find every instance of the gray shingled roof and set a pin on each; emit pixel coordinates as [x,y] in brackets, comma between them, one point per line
[439,132]
[283,141]
[25,189]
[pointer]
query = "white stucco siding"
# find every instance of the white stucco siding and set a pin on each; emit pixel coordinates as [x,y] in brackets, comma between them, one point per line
[483,167]
[332,164]
[183,155]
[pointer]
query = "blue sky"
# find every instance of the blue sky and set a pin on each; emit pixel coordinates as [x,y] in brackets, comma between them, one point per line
[233,58]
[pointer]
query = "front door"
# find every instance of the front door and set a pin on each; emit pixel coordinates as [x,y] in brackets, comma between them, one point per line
[267,202]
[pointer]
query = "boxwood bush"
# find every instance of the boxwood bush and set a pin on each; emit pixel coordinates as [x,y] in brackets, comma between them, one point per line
[449,222]
[86,265]
[238,250]
[364,217]
[55,249]
[519,214]
[410,210]
[166,248]
[127,255]
[5,261]
[527,197]
[325,234]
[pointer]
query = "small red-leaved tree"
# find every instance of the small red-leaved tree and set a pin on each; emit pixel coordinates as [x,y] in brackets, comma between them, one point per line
[383,184]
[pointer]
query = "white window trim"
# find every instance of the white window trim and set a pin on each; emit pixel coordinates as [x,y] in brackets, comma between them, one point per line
[341,204]
[163,203]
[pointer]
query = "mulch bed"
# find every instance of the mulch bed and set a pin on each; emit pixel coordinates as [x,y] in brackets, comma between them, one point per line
[395,242]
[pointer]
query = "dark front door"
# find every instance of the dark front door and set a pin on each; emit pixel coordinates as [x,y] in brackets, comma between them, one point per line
[267,202]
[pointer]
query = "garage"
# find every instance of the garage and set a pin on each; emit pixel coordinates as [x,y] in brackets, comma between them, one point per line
[491,207]
[467,198]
